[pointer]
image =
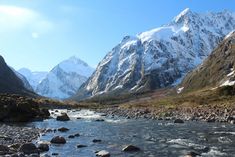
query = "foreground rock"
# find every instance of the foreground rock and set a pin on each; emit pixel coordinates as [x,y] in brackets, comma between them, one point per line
[15,136]
[43,146]
[103,153]
[4,149]
[29,148]
[130,148]
[63,129]
[58,140]
[63,117]
[178,121]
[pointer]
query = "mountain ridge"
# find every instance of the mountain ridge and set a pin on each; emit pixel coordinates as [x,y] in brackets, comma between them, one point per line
[160,57]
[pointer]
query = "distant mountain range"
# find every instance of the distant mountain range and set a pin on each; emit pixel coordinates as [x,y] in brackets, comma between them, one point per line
[160,57]
[62,81]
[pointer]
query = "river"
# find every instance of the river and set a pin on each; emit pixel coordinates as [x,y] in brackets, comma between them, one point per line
[154,138]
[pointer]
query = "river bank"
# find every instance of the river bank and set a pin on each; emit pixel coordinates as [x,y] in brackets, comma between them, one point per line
[199,113]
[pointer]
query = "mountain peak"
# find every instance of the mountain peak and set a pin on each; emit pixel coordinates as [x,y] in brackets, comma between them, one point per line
[185,13]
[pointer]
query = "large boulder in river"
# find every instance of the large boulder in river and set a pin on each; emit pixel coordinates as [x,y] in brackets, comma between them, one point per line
[29,148]
[103,153]
[130,148]
[58,140]
[63,117]
[178,121]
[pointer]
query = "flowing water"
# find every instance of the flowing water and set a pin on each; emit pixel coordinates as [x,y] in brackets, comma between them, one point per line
[154,138]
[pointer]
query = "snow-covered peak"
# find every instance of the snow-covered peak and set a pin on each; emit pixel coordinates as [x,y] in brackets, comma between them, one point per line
[76,65]
[183,14]
[159,57]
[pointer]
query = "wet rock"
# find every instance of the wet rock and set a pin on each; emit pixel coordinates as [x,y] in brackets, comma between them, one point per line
[178,121]
[15,146]
[71,136]
[55,154]
[96,140]
[29,148]
[4,149]
[43,146]
[77,134]
[63,117]
[81,146]
[58,140]
[130,148]
[99,120]
[232,122]
[63,129]
[192,154]
[103,153]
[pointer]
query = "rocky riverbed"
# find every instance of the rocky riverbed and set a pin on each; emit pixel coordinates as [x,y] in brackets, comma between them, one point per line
[205,113]
[13,137]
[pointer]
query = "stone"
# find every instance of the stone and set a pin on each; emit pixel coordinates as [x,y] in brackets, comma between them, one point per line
[103,153]
[81,146]
[29,148]
[4,149]
[178,121]
[71,136]
[130,148]
[96,140]
[63,129]
[63,117]
[43,146]
[58,140]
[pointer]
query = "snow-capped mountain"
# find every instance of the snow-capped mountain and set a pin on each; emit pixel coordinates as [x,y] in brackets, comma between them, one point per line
[34,78]
[64,79]
[160,57]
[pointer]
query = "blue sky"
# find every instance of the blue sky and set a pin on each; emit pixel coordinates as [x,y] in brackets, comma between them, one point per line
[38,34]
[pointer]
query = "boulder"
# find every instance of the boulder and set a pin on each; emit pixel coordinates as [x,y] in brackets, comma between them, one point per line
[29,148]
[81,146]
[43,146]
[58,140]
[96,140]
[4,149]
[103,153]
[63,129]
[178,121]
[130,148]
[63,117]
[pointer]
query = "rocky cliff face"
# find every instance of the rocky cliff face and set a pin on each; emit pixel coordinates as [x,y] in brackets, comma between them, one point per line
[10,82]
[160,57]
[217,70]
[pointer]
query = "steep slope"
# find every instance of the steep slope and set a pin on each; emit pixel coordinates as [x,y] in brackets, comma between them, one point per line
[34,78]
[64,79]
[217,70]
[160,57]
[10,82]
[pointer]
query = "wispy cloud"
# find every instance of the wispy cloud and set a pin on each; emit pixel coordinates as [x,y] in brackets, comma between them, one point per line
[13,18]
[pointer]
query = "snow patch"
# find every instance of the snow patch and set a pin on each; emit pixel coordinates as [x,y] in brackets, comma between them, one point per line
[179,90]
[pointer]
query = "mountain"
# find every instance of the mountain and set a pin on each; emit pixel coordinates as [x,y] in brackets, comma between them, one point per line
[34,78]
[217,70]
[23,79]
[64,79]
[10,82]
[160,57]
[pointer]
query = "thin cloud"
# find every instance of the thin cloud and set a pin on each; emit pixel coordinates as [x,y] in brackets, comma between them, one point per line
[14,18]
